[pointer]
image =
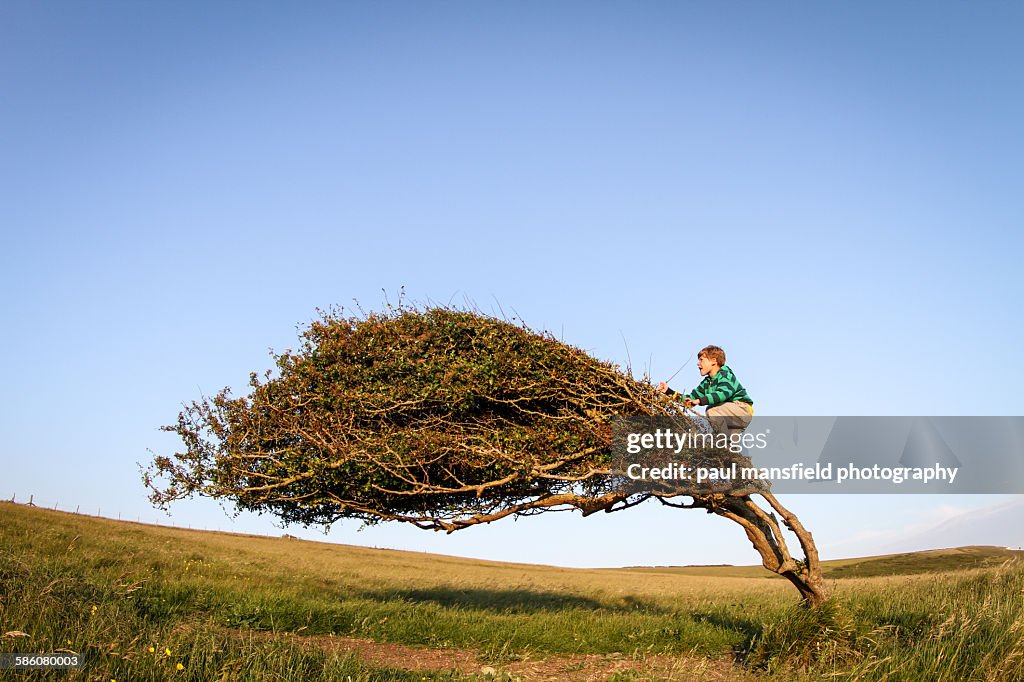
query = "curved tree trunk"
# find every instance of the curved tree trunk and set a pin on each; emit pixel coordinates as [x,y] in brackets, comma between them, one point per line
[763,530]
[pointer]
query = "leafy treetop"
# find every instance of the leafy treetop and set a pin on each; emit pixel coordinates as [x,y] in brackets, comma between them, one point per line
[440,417]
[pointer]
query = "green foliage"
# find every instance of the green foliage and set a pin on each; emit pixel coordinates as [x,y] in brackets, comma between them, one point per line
[428,416]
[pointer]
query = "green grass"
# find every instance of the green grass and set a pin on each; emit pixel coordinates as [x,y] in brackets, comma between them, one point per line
[234,607]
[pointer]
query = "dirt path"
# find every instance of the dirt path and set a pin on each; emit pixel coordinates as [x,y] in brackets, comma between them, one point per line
[534,668]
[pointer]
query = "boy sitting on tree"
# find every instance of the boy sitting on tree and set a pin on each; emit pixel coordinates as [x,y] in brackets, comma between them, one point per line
[729,408]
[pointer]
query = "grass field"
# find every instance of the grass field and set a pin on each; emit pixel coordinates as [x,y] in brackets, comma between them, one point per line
[153,603]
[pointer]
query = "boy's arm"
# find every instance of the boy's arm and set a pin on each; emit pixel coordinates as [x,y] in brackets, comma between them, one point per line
[694,395]
[697,394]
[675,395]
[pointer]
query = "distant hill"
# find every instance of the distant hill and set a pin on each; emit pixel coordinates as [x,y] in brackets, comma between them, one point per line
[928,561]
[908,563]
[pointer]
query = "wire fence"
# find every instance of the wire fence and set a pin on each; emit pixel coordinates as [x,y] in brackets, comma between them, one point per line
[138,518]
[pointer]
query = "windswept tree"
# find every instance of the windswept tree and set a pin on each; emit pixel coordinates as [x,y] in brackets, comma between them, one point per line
[444,419]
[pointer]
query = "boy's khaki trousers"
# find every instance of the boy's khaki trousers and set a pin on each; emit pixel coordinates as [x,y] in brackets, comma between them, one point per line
[730,418]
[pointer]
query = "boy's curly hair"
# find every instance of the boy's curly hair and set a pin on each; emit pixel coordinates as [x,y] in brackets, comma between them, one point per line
[714,353]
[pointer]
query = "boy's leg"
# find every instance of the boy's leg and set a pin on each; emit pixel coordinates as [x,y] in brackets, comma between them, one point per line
[730,418]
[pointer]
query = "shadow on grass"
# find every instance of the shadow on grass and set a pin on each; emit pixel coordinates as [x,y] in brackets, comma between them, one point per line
[514,601]
[750,629]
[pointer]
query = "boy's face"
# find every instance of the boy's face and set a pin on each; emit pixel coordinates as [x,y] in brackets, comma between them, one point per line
[705,365]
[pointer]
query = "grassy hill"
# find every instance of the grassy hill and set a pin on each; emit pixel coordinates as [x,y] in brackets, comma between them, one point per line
[236,607]
[931,561]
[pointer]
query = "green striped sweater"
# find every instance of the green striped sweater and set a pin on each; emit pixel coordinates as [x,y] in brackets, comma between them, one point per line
[722,388]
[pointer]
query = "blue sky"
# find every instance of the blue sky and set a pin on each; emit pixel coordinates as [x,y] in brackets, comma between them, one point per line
[829,191]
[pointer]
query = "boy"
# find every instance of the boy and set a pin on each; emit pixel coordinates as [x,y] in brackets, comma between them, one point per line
[729,408]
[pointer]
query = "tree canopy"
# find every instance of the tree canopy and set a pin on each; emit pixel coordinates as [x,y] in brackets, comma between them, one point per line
[433,417]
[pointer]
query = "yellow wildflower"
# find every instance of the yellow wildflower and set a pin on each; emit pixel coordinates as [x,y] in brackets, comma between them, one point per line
[167,652]
[181,667]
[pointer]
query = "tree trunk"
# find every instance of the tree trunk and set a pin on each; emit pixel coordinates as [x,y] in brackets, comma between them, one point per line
[763,530]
